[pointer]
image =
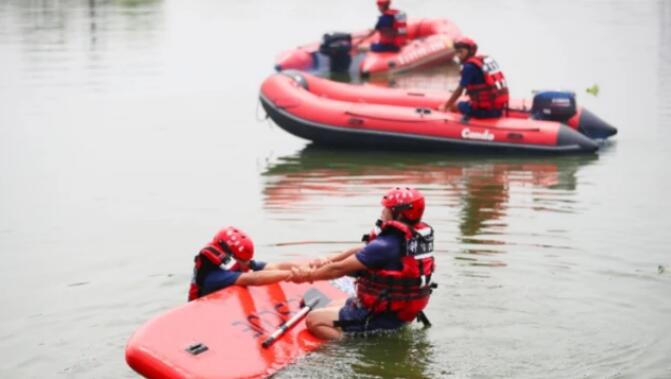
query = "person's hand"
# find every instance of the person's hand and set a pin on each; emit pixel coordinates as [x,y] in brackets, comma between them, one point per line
[295,275]
[362,48]
[301,274]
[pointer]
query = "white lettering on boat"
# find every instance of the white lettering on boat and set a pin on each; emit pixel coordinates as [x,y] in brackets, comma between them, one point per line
[484,135]
[421,51]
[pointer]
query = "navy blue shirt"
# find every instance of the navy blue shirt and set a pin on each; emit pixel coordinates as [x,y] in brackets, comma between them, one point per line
[471,74]
[220,278]
[384,252]
[384,21]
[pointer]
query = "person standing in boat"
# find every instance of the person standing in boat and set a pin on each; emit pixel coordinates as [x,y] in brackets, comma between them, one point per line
[392,28]
[227,260]
[393,272]
[483,81]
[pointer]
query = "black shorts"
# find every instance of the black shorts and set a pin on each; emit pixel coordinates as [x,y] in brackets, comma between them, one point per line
[353,318]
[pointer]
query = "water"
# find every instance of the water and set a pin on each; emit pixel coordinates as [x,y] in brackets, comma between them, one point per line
[129,134]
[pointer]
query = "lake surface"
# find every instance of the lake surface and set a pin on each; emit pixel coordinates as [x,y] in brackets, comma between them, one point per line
[130,132]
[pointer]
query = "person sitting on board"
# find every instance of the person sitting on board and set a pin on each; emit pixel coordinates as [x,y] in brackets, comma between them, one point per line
[483,81]
[393,272]
[392,28]
[227,260]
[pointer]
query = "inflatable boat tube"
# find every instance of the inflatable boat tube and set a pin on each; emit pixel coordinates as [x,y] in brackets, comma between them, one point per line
[368,117]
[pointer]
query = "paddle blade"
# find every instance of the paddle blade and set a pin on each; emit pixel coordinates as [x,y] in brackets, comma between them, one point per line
[314,299]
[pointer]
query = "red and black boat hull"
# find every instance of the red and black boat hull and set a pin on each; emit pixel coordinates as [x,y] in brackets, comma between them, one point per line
[326,121]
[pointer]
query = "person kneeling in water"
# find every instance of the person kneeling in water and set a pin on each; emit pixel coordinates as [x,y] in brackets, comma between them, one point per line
[227,260]
[393,272]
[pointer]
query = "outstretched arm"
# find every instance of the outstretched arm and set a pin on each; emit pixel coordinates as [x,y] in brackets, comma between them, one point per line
[315,263]
[259,278]
[319,262]
[449,105]
[329,271]
[283,265]
[364,37]
[345,254]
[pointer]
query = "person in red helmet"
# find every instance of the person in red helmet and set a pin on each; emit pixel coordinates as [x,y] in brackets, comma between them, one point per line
[393,272]
[228,260]
[483,81]
[392,28]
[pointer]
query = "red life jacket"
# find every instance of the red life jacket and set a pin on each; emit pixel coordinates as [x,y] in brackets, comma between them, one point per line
[211,257]
[493,93]
[406,291]
[399,33]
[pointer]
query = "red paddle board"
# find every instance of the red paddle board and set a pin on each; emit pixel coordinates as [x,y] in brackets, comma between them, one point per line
[221,335]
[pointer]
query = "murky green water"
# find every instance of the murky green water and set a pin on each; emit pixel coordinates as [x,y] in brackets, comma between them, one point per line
[129,132]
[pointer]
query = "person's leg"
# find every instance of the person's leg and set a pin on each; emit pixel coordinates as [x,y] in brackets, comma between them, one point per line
[349,317]
[392,48]
[464,107]
[383,47]
[320,322]
[482,113]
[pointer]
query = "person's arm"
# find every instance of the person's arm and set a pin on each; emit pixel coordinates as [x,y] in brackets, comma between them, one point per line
[382,22]
[361,39]
[329,271]
[345,254]
[314,263]
[370,33]
[219,279]
[282,265]
[259,278]
[449,105]
[319,262]
[469,74]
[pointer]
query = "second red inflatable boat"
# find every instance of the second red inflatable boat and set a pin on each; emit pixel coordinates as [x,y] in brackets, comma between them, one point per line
[338,114]
[429,42]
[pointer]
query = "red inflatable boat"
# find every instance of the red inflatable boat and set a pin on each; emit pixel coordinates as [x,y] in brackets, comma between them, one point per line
[429,42]
[338,114]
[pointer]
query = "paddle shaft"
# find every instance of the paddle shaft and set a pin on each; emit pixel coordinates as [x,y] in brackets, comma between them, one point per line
[288,324]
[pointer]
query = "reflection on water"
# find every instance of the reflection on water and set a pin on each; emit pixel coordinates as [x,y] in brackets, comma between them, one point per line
[67,44]
[482,192]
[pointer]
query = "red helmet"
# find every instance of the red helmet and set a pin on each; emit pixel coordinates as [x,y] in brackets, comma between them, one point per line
[236,242]
[408,202]
[465,42]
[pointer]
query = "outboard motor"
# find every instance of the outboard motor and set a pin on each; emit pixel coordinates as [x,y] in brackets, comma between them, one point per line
[337,47]
[553,105]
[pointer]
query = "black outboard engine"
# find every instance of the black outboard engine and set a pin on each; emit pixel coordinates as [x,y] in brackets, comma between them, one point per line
[337,47]
[553,105]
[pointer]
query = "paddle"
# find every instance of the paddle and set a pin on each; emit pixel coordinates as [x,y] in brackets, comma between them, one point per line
[312,299]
